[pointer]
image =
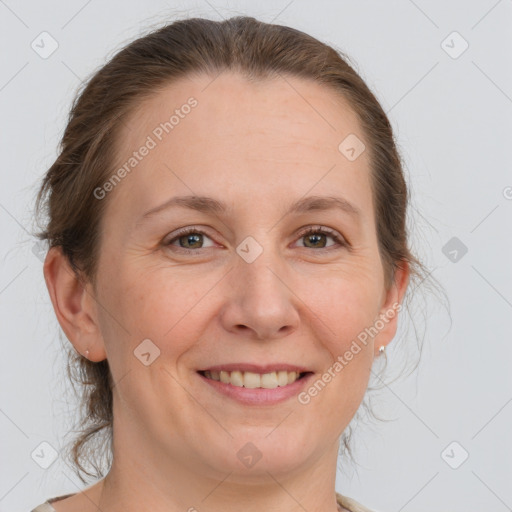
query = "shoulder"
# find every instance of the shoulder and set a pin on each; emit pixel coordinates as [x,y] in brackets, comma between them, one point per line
[44,507]
[350,504]
[47,505]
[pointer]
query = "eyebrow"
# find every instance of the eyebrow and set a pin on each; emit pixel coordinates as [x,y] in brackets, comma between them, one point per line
[213,206]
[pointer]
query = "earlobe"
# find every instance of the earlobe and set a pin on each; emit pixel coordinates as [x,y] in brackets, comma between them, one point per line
[392,305]
[73,305]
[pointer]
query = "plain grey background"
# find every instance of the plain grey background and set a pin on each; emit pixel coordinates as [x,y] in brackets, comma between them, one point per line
[449,98]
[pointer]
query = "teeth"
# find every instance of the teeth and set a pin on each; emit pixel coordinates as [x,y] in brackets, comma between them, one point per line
[282,378]
[253,380]
[237,379]
[269,380]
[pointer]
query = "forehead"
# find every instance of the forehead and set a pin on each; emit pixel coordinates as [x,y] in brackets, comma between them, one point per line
[307,109]
[227,133]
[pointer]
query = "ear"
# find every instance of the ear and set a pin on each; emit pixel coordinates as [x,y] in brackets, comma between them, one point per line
[392,304]
[74,305]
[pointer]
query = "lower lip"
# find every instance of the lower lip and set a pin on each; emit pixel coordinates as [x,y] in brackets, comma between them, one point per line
[259,396]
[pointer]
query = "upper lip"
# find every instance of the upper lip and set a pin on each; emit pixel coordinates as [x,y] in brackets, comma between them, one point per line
[256,368]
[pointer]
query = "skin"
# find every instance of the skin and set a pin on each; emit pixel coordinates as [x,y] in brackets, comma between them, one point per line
[258,147]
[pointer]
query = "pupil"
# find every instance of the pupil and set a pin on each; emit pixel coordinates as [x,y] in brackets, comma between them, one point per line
[191,239]
[316,238]
[195,239]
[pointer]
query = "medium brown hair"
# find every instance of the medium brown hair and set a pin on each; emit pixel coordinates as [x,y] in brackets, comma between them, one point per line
[253,48]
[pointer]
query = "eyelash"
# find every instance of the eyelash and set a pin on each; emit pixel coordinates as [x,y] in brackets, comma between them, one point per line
[313,230]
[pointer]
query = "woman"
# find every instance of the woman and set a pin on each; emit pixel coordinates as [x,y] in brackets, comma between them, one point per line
[228,256]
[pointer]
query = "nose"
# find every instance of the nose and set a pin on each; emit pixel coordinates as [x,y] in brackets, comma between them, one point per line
[260,303]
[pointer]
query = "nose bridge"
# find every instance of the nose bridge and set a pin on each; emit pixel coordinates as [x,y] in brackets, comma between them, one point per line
[260,301]
[259,278]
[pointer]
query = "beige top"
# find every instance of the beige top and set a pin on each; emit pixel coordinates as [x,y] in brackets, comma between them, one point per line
[344,501]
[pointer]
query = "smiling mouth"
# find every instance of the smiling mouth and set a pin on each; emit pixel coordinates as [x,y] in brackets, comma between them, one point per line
[253,380]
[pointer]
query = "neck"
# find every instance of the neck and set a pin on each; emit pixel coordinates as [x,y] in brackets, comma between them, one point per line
[139,482]
[223,495]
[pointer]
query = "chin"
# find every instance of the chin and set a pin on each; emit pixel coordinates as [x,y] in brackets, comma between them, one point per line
[254,457]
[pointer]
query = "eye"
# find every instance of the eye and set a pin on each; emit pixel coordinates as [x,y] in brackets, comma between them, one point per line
[315,238]
[189,239]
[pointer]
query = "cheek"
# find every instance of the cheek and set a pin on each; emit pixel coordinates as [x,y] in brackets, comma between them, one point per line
[346,303]
[347,310]
[155,305]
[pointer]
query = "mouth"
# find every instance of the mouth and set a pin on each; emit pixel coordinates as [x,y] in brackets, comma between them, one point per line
[255,380]
[256,385]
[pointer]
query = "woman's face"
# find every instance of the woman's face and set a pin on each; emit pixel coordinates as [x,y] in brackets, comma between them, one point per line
[246,286]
